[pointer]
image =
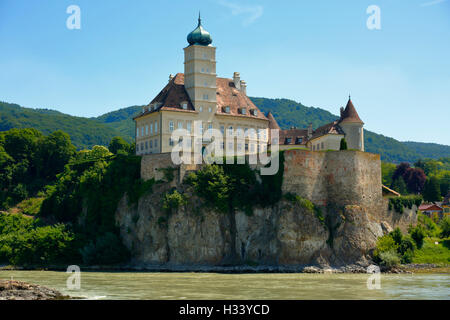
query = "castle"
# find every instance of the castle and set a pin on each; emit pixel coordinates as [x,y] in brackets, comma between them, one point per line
[199,96]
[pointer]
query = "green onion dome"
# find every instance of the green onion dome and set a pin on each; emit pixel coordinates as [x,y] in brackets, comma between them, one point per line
[199,36]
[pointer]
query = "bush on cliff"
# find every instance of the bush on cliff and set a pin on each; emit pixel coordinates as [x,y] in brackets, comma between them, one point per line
[172,201]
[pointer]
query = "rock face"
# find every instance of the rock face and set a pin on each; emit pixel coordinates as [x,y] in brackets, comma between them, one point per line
[345,185]
[18,290]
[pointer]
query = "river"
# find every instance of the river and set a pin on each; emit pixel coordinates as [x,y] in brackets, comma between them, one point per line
[141,285]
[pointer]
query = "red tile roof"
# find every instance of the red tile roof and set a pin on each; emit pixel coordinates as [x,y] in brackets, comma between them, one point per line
[430,206]
[294,135]
[227,95]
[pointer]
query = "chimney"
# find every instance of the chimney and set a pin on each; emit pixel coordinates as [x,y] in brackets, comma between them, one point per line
[170,77]
[244,87]
[237,80]
[310,131]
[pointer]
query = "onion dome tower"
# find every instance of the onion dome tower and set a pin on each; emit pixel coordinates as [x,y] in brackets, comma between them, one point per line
[199,36]
[200,71]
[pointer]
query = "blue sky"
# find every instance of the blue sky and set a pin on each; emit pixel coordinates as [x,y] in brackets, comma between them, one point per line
[315,52]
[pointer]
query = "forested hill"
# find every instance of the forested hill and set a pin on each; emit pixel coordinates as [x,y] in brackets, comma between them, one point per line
[86,132]
[290,113]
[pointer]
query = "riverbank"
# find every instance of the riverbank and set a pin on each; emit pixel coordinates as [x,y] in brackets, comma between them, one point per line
[409,268]
[18,290]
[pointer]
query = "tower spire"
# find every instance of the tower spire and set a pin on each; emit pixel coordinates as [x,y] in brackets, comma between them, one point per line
[199,18]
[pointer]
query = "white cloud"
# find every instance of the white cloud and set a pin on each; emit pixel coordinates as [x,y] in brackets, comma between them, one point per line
[252,12]
[431,3]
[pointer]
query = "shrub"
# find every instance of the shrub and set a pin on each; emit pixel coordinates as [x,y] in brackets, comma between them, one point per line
[445,226]
[429,226]
[384,244]
[172,201]
[24,242]
[389,258]
[397,236]
[418,234]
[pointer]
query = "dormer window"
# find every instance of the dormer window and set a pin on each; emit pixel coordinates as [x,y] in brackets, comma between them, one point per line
[243,111]
[184,105]
[254,112]
[299,140]
[227,109]
[288,140]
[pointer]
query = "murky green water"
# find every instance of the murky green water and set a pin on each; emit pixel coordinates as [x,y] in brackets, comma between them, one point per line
[128,285]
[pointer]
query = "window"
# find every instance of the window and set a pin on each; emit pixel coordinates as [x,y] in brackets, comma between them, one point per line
[239,146]
[222,145]
[227,109]
[184,105]
[209,125]
[205,97]
[156,143]
[151,144]
[146,130]
[142,146]
[201,127]
[209,109]
[180,125]
[146,145]
[252,147]
[230,130]
[207,70]
[170,142]
[288,140]
[156,126]
[246,147]
[230,145]
[137,133]
[243,111]
[151,128]
[265,134]
[321,145]
[254,112]
[239,131]
[222,130]
[205,84]
[188,126]
[299,140]
[314,147]
[170,126]
[142,131]
[137,147]
[201,108]
[204,56]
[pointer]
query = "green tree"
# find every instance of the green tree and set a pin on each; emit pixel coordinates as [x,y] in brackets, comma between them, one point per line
[343,144]
[432,190]
[417,234]
[399,185]
[118,144]
[387,170]
[55,152]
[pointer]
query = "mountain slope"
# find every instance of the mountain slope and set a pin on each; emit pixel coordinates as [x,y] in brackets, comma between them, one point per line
[84,132]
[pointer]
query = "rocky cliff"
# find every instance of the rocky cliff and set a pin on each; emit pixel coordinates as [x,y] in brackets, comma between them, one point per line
[345,185]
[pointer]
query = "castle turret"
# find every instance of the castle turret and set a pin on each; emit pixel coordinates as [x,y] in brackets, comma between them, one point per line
[352,125]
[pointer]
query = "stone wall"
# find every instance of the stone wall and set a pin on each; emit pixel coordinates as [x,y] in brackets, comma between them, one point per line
[334,177]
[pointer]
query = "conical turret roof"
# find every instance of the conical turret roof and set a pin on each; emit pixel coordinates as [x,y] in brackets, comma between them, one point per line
[349,114]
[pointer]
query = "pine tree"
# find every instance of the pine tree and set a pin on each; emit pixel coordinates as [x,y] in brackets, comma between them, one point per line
[432,190]
[343,144]
[399,185]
